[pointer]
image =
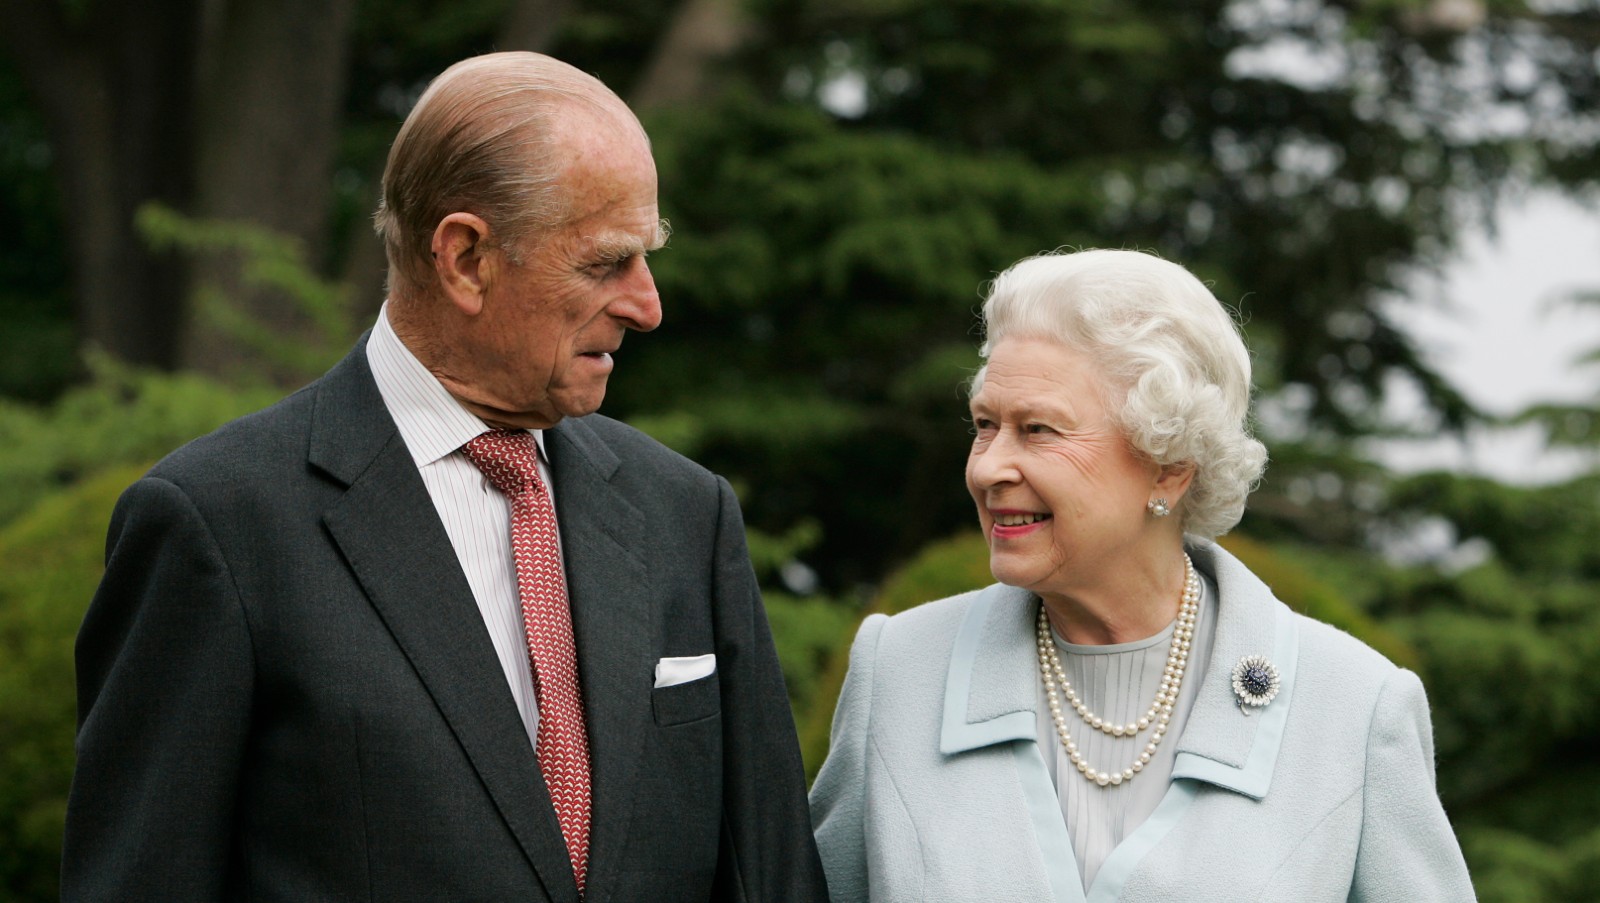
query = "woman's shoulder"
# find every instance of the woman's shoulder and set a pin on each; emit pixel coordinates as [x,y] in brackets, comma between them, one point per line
[1321,647]
[1339,670]
[1322,642]
[939,620]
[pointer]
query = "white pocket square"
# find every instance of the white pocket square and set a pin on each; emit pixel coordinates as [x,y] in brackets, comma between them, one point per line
[673,671]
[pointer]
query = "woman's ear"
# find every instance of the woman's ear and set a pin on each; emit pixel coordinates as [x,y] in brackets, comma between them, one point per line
[460,246]
[1173,481]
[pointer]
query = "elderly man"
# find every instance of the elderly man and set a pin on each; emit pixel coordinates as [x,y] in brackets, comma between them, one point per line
[427,630]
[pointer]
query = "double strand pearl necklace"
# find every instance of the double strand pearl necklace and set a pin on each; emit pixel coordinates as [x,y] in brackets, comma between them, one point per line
[1160,713]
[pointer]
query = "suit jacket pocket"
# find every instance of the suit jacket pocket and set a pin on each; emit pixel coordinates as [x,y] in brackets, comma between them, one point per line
[686,702]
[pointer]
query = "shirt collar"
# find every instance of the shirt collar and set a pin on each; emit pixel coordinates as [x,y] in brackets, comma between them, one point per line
[432,423]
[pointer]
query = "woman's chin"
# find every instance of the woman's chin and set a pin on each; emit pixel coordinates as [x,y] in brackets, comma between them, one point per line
[1011,571]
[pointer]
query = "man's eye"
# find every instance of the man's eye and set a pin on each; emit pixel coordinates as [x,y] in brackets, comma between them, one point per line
[609,267]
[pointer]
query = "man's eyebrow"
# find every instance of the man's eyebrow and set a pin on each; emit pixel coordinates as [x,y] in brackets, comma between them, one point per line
[622,245]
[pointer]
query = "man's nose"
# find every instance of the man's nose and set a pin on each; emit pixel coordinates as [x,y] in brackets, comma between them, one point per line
[639,305]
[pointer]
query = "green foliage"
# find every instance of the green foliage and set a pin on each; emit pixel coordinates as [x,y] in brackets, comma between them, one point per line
[53,561]
[1573,425]
[267,260]
[122,416]
[1513,657]
[945,568]
[1513,868]
[1304,195]
[807,631]
[770,552]
[1566,425]
[1546,530]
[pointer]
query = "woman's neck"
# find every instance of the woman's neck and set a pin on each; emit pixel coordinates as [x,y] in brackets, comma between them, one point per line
[1132,602]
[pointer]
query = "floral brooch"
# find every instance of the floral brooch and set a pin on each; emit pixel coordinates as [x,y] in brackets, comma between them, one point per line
[1255,682]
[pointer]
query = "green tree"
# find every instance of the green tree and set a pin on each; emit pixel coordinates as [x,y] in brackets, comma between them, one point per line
[869,165]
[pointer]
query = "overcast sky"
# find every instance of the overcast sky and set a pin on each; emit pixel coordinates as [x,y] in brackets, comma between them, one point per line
[1495,326]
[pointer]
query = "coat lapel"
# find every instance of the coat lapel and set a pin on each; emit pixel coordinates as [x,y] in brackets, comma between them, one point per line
[1220,744]
[990,699]
[614,627]
[387,528]
[988,695]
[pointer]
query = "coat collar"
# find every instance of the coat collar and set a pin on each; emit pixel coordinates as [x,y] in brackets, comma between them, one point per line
[990,695]
[1222,745]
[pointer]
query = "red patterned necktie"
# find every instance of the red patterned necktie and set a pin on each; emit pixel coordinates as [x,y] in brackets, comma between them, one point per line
[510,461]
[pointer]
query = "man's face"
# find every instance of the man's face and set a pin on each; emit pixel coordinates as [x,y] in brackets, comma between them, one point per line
[551,322]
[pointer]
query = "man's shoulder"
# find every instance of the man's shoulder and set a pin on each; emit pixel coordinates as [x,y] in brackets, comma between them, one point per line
[275,442]
[259,443]
[637,448]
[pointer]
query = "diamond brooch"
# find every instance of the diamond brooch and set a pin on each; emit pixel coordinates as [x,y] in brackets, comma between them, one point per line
[1255,682]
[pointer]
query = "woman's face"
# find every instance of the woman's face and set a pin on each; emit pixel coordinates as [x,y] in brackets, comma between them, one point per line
[1061,494]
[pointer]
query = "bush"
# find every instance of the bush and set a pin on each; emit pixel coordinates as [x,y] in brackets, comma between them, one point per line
[122,416]
[54,557]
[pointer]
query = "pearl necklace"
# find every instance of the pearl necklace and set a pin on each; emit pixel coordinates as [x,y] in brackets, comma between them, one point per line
[1159,714]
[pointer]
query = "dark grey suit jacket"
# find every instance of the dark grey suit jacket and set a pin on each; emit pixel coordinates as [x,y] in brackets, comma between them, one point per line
[286,691]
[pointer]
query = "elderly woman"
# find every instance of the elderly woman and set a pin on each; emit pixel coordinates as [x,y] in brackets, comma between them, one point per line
[1128,714]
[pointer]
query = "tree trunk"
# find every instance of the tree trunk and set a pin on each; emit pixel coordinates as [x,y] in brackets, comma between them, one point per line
[113,88]
[269,109]
[532,24]
[682,70]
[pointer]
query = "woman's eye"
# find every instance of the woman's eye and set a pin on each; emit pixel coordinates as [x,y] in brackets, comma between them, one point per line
[1036,429]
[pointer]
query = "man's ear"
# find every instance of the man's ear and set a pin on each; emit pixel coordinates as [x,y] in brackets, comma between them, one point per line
[460,246]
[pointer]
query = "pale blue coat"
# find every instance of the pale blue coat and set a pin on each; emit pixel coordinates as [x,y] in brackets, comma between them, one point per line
[935,788]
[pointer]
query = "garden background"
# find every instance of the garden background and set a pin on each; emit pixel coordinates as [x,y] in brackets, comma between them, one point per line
[185,192]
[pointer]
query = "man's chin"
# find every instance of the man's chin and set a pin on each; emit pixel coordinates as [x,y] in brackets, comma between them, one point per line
[579,404]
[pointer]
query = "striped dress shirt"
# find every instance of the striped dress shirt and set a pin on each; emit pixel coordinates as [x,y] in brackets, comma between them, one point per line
[476,516]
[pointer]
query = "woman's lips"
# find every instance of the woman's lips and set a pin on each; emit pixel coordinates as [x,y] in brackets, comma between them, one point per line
[1019,523]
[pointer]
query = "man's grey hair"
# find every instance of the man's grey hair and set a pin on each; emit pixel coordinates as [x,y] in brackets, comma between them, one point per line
[482,139]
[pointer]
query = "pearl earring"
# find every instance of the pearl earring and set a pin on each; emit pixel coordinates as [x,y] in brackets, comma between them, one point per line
[1158,507]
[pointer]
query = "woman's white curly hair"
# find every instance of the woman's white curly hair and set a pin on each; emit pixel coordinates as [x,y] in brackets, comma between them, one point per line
[1171,358]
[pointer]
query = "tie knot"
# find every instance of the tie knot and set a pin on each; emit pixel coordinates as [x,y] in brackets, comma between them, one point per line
[508,458]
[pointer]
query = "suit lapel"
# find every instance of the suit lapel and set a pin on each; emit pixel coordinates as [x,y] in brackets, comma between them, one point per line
[387,528]
[613,624]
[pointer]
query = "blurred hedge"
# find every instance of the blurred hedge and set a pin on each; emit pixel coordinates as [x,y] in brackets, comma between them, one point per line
[54,557]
